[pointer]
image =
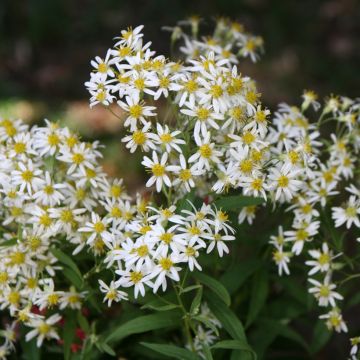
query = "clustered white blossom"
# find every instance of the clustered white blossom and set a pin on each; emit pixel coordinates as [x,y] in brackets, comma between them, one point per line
[226,142]
[320,168]
[55,194]
[213,136]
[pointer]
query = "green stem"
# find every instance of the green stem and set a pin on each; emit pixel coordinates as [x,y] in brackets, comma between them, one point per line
[186,320]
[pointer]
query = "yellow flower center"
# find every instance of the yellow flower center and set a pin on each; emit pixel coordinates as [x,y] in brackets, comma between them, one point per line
[78,158]
[202,113]
[205,151]
[14,297]
[164,82]
[99,227]
[246,166]
[158,170]
[111,295]
[142,250]
[185,175]
[350,211]
[136,276]
[324,259]
[216,91]
[166,138]
[302,235]
[191,86]
[166,263]
[53,139]
[53,299]
[49,189]
[283,181]
[67,216]
[324,291]
[19,148]
[44,328]
[136,111]
[45,220]
[190,251]
[257,184]
[248,138]
[27,175]
[139,83]
[102,68]
[166,237]
[115,191]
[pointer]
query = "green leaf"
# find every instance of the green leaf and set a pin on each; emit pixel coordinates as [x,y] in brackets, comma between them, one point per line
[140,325]
[195,305]
[214,286]
[184,203]
[30,350]
[321,336]
[73,277]
[160,307]
[82,321]
[237,202]
[9,242]
[227,318]
[189,288]
[104,347]
[69,334]
[238,274]
[235,345]
[65,259]
[207,352]
[259,294]
[172,351]
[279,329]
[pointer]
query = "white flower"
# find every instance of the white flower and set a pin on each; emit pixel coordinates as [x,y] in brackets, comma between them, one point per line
[324,292]
[140,137]
[136,111]
[184,175]
[43,329]
[111,292]
[284,182]
[322,259]
[219,240]
[102,66]
[206,153]
[205,118]
[349,214]
[165,268]
[334,320]
[158,170]
[28,177]
[133,277]
[97,228]
[167,139]
[48,194]
[281,259]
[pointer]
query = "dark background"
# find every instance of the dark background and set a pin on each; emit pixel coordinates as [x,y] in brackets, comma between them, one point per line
[46,45]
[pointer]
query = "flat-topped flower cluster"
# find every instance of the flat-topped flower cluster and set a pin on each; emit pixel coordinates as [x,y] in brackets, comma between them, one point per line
[55,195]
[203,131]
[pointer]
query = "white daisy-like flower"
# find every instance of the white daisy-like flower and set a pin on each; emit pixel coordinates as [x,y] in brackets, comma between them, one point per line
[158,169]
[43,329]
[112,293]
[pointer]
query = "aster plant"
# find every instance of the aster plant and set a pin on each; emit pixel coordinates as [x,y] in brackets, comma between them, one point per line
[85,264]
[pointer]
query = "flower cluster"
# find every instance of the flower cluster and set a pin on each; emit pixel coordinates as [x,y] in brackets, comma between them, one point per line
[317,169]
[222,142]
[55,194]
